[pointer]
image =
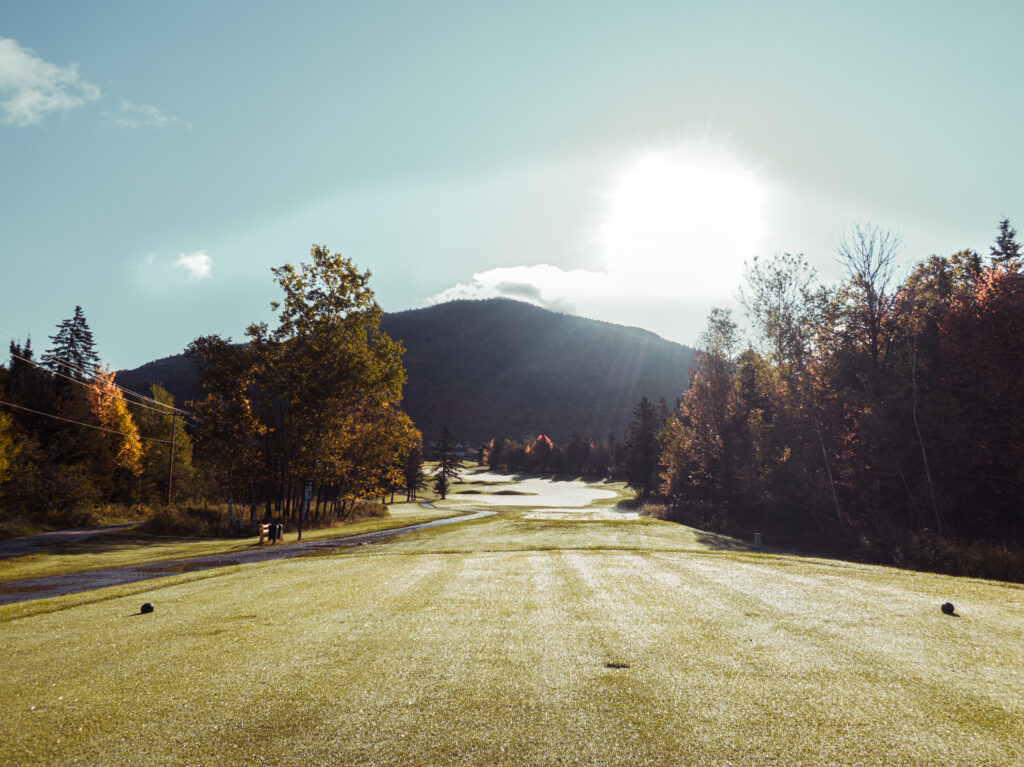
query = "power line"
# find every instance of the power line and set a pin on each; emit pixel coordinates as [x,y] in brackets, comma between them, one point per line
[88,385]
[122,389]
[87,425]
[82,383]
[75,368]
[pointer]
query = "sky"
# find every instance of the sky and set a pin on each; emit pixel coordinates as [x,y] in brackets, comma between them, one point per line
[620,161]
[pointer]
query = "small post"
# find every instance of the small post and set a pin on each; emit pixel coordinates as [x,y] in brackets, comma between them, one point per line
[757,541]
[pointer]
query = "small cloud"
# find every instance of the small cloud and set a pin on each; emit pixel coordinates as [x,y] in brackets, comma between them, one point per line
[196,266]
[135,116]
[150,259]
[31,88]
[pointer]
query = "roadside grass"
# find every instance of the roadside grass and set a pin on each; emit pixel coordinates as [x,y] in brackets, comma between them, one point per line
[131,547]
[509,641]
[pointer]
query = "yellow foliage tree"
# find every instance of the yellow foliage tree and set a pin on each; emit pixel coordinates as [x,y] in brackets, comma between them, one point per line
[111,412]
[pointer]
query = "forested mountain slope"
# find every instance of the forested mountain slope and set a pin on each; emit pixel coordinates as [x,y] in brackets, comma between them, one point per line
[503,368]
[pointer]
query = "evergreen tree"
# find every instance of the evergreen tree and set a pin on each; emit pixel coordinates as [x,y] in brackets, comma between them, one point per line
[73,352]
[449,467]
[641,447]
[1006,251]
[413,471]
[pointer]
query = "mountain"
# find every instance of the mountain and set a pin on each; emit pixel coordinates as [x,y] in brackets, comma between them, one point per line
[503,368]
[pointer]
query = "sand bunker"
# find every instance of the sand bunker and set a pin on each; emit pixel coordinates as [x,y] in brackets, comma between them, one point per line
[542,492]
[577,515]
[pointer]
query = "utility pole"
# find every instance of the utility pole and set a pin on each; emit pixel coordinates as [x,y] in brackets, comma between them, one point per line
[170,463]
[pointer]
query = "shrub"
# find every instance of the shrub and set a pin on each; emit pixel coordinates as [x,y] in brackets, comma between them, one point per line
[188,521]
[367,509]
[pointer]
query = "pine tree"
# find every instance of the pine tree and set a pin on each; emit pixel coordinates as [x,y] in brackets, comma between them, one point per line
[449,467]
[73,352]
[1006,251]
[412,469]
[642,447]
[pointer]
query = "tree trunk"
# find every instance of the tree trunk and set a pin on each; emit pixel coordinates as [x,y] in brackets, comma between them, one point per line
[828,468]
[939,521]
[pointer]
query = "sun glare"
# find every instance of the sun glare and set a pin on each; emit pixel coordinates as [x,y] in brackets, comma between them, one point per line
[684,220]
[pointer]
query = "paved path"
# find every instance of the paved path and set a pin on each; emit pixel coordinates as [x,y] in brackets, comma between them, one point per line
[58,585]
[26,544]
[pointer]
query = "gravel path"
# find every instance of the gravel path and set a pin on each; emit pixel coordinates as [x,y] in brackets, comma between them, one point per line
[58,585]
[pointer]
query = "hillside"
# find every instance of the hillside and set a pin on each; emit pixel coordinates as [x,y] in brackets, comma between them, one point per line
[505,368]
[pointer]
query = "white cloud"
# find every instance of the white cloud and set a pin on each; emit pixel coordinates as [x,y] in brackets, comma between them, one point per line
[542,285]
[196,266]
[136,116]
[31,89]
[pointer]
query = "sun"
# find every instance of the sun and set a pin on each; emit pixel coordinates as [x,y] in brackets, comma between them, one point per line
[683,220]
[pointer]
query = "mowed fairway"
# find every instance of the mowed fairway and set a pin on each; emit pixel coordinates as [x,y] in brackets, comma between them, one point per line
[517,640]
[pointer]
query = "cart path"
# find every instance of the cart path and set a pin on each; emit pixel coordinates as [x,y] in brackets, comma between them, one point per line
[28,544]
[72,583]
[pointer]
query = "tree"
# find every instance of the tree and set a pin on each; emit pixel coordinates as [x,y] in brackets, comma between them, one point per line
[159,429]
[539,453]
[780,298]
[111,413]
[1006,251]
[9,446]
[73,352]
[641,446]
[869,255]
[326,367]
[449,466]
[230,438]
[701,442]
[412,469]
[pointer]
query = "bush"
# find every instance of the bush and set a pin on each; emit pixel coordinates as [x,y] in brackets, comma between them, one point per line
[653,510]
[190,522]
[367,509]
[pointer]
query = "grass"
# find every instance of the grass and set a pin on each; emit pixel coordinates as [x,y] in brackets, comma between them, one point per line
[520,641]
[131,547]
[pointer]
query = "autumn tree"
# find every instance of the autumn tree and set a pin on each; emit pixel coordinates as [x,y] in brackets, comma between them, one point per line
[111,414]
[789,311]
[231,435]
[324,367]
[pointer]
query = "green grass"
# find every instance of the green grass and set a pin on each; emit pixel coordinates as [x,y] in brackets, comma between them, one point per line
[131,547]
[512,641]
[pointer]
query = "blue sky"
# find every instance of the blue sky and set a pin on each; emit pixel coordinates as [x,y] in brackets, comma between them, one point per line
[156,160]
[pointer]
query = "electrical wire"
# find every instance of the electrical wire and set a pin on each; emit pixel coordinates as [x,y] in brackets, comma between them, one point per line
[75,368]
[87,425]
[186,416]
[87,384]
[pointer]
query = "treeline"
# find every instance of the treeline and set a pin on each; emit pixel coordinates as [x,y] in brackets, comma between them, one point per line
[298,423]
[72,441]
[579,456]
[880,414]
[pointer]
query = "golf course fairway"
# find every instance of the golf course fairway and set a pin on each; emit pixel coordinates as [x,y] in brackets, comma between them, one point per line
[520,639]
